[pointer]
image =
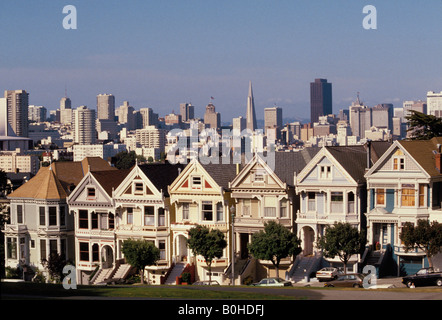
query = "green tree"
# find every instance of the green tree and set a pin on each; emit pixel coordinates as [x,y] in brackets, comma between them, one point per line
[274,243]
[55,265]
[423,126]
[139,254]
[342,240]
[3,181]
[425,236]
[126,160]
[207,243]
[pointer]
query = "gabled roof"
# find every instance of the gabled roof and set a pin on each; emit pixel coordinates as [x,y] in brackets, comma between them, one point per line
[221,173]
[287,163]
[70,173]
[110,179]
[352,158]
[423,151]
[162,174]
[44,185]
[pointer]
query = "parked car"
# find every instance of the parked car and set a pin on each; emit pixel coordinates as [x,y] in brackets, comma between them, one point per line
[273,282]
[206,283]
[424,277]
[354,280]
[328,273]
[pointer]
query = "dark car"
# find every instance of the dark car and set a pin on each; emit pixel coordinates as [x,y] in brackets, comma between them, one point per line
[354,280]
[424,277]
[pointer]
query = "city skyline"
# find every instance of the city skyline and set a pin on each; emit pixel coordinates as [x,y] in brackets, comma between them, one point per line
[159,54]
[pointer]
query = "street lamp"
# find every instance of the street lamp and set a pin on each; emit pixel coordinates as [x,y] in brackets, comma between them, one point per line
[232,214]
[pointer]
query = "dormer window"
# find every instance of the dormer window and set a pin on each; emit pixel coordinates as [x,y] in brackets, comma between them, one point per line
[138,188]
[325,172]
[259,176]
[398,163]
[196,182]
[398,160]
[91,193]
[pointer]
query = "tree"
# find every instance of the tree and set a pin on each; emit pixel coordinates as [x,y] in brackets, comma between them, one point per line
[126,160]
[139,254]
[55,265]
[207,243]
[425,236]
[342,240]
[3,181]
[424,126]
[274,243]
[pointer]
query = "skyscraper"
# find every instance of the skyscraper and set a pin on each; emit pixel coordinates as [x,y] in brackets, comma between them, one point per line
[83,122]
[434,103]
[187,111]
[320,99]
[105,107]
[273,117]
[126,116]
[65,110]
[250,115]
[17,103]
[211,117]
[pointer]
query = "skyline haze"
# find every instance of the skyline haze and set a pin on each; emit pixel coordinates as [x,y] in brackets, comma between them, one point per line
[160,54]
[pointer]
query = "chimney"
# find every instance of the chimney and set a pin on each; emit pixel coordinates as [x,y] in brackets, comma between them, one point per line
[368,153]
[438,158]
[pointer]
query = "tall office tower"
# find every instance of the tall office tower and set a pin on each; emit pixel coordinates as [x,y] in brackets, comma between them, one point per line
[37,113]
[320,99]
[105,107]
[250,115]
[419,105]
[211,117]
[187,111]
[273,117]
[65,111]
[239,124]
[434,103]
[382,116]
[151,137]
[148,117]
[83,123]
[126,116]
[360,118]
[17,103]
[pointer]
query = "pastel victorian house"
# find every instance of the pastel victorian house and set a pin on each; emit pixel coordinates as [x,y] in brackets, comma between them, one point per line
[332,188]
[39,223]
[143,211]
[264,191]
[92,206]
[405,185]
[201,196]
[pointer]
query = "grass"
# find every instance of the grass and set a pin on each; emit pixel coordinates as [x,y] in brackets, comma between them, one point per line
[28,290]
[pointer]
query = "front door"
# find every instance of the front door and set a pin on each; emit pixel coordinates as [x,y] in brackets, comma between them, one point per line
[244,239]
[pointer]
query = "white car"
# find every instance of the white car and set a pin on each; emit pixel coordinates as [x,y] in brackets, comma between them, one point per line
[328,273]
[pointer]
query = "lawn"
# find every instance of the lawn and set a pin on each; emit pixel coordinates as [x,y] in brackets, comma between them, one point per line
[28,290]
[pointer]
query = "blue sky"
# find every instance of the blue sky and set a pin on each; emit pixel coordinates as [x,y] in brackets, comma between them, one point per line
[161,53]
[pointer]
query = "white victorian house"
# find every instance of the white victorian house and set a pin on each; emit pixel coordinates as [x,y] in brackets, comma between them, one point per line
[39,224]
[92,205]
[332,188]
[264,191]
[143,211]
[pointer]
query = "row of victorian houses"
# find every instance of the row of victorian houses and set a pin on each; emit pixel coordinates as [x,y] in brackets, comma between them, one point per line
[86,210]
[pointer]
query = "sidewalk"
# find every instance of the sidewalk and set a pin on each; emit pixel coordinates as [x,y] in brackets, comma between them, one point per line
[393,282]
